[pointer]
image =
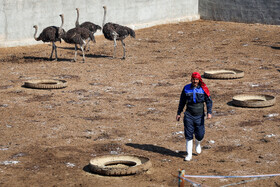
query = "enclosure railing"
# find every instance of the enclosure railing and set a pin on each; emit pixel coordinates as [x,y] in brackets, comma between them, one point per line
[182,178]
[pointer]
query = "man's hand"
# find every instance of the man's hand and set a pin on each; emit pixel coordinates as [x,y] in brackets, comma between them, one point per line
[178,117]
[209,116]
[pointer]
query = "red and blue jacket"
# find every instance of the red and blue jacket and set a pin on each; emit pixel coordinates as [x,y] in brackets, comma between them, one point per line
[194,98]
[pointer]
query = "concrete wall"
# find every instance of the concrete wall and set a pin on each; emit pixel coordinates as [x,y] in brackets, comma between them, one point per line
[17,17]
[246,11]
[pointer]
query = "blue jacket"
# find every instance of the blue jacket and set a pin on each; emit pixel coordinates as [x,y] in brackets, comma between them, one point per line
[194,98]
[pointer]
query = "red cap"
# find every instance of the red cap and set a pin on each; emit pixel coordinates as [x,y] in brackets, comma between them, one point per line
[196,75]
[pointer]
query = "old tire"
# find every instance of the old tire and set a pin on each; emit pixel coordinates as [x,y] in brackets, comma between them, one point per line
[253,101]
[224,74]
[118,165]
[45,84]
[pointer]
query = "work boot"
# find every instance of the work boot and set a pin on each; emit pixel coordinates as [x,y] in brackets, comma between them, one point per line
[189,147]
[197,147]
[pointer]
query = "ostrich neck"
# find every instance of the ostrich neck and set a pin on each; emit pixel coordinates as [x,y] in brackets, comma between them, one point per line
[60,32]
[62,23]
[77,21]
[36,38]
[104,17]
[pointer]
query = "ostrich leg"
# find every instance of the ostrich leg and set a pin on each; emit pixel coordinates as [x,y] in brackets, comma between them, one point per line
[87,46]
[115,45]
[52,50]
[123,44]
[55,48]
[82,48]
[75,52]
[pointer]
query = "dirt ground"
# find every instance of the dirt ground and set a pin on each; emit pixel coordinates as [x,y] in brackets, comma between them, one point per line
[114,106]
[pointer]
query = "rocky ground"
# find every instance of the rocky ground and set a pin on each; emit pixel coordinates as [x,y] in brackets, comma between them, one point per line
[114,106]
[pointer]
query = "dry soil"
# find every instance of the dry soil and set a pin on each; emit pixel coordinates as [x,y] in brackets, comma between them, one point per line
[115,106]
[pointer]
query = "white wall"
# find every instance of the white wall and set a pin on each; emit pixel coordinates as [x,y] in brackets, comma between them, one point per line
[17,17]
[246,11]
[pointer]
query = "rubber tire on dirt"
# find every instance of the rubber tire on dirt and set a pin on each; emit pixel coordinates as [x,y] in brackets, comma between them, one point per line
[100,165]
[224,74]
[46,84]
[253,101]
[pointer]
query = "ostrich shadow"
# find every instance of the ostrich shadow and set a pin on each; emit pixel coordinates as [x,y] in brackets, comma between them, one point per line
[86,53]
[44,58]
[157,149]
[96,56]
[68,48]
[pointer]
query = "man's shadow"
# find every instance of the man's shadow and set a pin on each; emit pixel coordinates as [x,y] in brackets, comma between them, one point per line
[157,149]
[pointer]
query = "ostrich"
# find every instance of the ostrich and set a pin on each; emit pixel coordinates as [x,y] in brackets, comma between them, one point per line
[76,36]
[88,25]
[113,31]
[49,34]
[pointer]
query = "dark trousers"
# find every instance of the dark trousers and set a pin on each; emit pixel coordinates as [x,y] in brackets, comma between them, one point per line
[194,125]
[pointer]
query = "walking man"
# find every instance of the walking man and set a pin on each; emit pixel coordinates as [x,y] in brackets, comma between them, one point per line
[194,96]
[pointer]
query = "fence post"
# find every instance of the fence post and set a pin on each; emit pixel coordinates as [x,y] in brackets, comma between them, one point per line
[181,181]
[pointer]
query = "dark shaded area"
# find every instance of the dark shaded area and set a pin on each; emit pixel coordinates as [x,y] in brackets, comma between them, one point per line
[156,149]
[44,58]
[275,47]
[23,86]
[230,103]
[97,56]
[69,48]
[250,123]
[86,55]
[87,169]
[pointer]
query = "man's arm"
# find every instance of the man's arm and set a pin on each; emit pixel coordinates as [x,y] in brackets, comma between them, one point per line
[209,104]
[182,104]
